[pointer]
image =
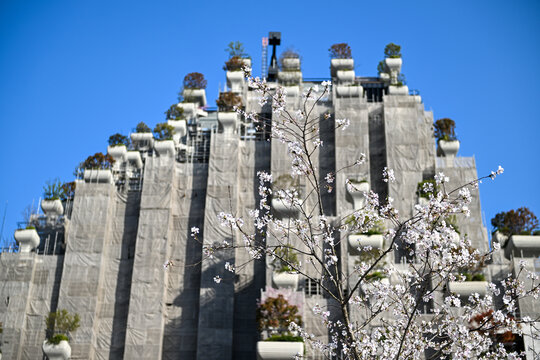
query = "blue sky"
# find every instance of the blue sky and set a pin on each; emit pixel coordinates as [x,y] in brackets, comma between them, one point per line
[72,73]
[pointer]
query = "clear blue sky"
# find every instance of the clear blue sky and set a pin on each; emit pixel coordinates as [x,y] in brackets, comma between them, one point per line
[72,73]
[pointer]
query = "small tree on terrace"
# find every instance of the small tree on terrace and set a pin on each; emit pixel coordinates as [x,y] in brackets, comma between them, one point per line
[340,51]
[516,222]
[194,80]
[445,129]
[163,131]
[98,161]
[388,322]
[118,139]
[174,113]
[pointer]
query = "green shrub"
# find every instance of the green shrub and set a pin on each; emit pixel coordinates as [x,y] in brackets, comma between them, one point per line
[174,113]
[285,255]
[392,51]
[142,128]
[236,49]
[55,339]
[234,64]
[375,275]
[277,313]
[30,227]
[279,337]
[52,190]
[163,131]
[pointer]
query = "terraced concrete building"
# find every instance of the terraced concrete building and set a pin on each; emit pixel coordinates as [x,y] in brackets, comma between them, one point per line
[101,254]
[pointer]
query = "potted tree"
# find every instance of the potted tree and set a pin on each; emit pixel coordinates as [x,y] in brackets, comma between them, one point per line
[517,231]
[97,168]
[284,263]
[175,117]
[27,238]
[234,66]
[227,116]
[341,58]
[117,148]
[194,85]
[393,62]
[274,315]
[59,327]
[52,193]
[446,137]
[290,73]
[142,138]
[356,189]
[164,145]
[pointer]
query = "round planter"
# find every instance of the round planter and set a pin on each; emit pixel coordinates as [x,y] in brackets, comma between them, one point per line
[360,241]
[180,128]
[449,148]
[384,77]
[142,141]
[98,176]
[235,80]
[117,152]
[134,159]
[52,207]
[393,64]
[279,350]
[189,109]
[290,77]
[528,245]
[467,288]
[398,90]
[228,121]
[28,240]
[291,63]
[349,91]
[196,95]
[285,280]
[62,351]
[341,64]
[357,193]
[165,147]
[345,76]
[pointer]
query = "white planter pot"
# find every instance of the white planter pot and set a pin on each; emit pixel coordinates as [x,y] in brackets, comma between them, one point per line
[360,241]
[357,193]
[282,210]
[349,91]
[340,64]
[117,152]
[62,351]
[292,91]
[523,245]
[449,148]
[393,64]
[134,159]
[279,350]
[28,240]
[291,64]
[384,77]
[195,95]
[398,90]
[467,288]
[142,141]
[422,201]
[165,147]
[290,77]
[235,81]
[52,207]
[285,280]
[228,121]
[180,129]
[98,176]
[190,109]
[345,76]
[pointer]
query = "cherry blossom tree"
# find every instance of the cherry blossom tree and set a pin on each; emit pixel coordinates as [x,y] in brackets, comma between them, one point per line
[388,321]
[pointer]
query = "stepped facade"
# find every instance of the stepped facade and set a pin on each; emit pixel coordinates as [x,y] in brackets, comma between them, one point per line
[102,253]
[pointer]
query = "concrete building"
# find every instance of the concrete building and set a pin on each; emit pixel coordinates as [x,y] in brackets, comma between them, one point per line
[101,254]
